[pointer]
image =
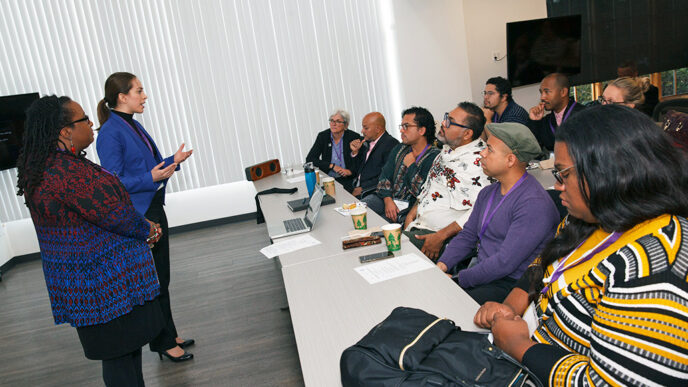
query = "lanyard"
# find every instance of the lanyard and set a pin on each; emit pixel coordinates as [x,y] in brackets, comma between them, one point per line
[143,136]
[422,153]
[339,147]
[584,258]
[566,116]
[487,219]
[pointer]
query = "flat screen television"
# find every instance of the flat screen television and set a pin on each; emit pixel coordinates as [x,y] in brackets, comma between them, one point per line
[12,116]
[539,47]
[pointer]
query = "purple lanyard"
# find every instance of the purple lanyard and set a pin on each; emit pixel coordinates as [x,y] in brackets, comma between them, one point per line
[339,147]
[586,257]
[142,135]
[487,219]
[566,116]
[421,153]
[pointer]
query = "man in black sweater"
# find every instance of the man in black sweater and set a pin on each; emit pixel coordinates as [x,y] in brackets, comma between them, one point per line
[370,154]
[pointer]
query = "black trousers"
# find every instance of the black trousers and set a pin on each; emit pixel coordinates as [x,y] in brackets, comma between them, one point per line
[124,370]
[495,291]
[161,257]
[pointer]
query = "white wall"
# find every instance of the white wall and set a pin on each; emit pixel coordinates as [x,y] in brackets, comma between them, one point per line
[432,54]
[486,32]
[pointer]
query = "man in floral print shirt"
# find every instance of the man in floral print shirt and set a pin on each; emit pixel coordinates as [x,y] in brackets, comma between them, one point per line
[453,183]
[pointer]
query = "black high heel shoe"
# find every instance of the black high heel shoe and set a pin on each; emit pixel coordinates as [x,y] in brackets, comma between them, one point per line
[187,343]
[186,356]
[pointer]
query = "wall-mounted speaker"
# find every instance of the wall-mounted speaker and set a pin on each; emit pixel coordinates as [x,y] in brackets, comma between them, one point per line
[262,170]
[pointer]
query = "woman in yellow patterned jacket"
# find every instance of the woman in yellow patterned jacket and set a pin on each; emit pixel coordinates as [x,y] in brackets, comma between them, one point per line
[607,301]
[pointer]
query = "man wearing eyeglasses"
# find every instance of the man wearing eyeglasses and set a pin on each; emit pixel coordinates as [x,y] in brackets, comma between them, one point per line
[554,97]
[407,167]
[453,184]
[511,222]
[499,106]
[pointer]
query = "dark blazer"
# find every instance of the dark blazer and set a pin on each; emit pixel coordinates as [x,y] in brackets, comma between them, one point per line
[321,154]
[545,128]
[369,170]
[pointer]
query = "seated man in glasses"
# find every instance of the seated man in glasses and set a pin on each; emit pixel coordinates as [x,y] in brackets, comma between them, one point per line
[406,168]
[511,221]
[499,106]
[453,184]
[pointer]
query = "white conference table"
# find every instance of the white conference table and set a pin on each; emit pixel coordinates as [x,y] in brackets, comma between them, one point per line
[331,305]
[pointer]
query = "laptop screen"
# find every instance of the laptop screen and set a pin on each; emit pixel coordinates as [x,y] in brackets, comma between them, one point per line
[314,206]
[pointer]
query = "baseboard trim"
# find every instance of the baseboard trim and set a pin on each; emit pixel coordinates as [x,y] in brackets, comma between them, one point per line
[4,268]
[212,223]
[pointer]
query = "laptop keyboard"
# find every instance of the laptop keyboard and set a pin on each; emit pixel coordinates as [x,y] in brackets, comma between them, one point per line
[294,225]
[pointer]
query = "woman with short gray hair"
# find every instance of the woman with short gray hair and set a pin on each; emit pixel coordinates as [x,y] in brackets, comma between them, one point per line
[331,152]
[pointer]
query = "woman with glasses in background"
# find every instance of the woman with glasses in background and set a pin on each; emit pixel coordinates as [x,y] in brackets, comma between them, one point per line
[606,303]
[129,152]
[97,264]
[625,91]
[331,152]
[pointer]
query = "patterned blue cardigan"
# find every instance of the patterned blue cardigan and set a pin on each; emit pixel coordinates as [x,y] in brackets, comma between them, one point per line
[96,262]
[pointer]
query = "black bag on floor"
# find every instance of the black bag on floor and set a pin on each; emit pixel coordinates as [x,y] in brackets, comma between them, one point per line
[414,348]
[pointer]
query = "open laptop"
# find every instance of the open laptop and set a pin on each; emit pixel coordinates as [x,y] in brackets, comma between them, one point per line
[299,225]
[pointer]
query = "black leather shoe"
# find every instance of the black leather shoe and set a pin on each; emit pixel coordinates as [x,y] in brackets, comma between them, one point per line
[186,356]
[187,343]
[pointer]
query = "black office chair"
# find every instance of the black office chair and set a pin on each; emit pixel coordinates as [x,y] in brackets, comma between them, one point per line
[680,104]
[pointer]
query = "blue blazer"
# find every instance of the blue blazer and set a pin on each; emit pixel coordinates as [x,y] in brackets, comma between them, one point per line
[124,154]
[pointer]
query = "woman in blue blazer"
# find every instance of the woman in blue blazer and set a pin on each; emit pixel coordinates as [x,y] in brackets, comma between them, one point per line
[126,150]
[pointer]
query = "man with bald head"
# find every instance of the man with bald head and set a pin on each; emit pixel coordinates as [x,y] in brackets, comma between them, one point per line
[370,154]
[554,98]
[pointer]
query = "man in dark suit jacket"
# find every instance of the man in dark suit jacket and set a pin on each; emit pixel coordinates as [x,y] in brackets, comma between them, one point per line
[554,97]
[371,153]
[331,150]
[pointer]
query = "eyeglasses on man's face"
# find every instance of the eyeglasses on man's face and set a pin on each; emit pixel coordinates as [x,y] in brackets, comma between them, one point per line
[603,101]
[84,118]
[489,93]
[447,122]
[405,126]
[557,174]
[338,122]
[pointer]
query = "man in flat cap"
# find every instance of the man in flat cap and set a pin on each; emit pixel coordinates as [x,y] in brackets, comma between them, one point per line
[511,222]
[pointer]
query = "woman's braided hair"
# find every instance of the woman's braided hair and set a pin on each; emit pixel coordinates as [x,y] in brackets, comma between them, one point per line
[44,120]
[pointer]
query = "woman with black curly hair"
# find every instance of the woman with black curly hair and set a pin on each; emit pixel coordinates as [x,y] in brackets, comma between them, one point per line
[94,244]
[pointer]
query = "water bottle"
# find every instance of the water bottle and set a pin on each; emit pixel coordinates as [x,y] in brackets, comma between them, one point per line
[309,171]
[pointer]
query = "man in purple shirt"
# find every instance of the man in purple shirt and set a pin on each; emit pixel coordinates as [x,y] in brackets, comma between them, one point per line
[511,222]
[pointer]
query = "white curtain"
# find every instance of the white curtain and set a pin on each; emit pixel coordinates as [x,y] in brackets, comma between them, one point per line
[240,81]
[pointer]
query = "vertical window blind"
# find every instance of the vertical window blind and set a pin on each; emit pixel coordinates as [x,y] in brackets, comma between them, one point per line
[239,81]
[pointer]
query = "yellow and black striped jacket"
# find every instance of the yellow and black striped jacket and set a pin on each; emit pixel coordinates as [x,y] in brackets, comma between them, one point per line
[621,318]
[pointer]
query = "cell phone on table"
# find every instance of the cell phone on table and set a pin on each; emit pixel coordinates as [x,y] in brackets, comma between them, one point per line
[375,256]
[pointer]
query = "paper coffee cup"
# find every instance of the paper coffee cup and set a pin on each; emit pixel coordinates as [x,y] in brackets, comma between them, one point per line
[328,184]
[392,234]
[359,216]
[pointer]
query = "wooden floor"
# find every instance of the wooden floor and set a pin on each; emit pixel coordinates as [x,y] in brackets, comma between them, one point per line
[225,294]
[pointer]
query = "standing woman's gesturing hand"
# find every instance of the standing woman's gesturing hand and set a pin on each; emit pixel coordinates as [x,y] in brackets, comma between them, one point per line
[159,173]
[180,156]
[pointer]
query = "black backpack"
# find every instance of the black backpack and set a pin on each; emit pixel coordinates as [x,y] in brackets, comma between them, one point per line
[414,348]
